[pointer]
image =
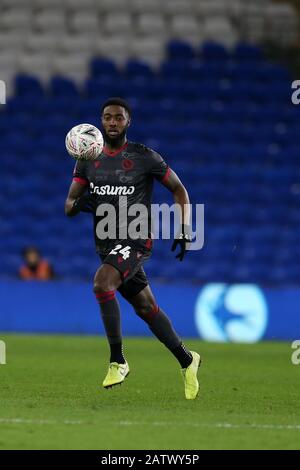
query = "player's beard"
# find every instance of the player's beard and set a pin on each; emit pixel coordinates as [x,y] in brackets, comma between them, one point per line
[117,141]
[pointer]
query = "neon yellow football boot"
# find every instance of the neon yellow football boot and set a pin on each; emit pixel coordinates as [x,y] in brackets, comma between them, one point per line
[116,374]
[191,384]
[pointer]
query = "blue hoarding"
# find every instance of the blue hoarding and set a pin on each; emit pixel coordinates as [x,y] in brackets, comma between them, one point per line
[214,312]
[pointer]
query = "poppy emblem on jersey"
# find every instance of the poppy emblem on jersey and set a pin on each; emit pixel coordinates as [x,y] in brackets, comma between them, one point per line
[127,164]
[96,164]
[120,259]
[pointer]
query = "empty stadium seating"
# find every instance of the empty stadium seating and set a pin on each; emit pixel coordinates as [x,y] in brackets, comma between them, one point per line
[222,119]
[217,110]
[123,29]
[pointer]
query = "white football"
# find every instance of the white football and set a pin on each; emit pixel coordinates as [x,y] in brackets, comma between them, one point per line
[84,142]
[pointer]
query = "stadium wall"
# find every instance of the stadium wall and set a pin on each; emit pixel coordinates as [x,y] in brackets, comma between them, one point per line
[214,312]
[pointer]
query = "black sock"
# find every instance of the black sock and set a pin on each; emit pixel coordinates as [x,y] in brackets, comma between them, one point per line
[162,328]
[110,312]
[116,353]
[184,356]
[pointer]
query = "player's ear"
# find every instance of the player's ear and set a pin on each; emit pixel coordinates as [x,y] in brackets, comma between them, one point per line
[128,122]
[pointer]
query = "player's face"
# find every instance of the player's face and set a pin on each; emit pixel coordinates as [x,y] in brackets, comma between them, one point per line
[32,257]
[115,121]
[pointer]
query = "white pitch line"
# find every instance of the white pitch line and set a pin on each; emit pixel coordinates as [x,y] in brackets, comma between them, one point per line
[155,423]
[36,421]
[215,425]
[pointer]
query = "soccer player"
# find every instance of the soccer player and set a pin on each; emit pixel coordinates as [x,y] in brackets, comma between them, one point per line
[128,168]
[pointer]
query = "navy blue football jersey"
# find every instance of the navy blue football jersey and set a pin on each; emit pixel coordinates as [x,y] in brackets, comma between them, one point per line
[114,178]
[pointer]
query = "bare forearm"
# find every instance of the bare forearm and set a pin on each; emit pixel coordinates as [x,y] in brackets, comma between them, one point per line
[180,195]
[69,207]
[181,198]
[76,191]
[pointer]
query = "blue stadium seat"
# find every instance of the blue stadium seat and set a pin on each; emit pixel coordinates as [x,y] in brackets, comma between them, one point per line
[28,86]
[101,68]
[177,49]
[247,52]
[135,69]
[61,86]
[214,51]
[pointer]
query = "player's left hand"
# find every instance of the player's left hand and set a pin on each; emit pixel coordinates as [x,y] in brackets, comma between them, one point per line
[183,239]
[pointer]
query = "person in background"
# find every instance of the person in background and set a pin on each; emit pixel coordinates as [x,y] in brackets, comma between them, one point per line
[35,268]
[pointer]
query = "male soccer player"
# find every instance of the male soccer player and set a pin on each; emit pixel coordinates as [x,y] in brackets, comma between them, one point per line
[127,168]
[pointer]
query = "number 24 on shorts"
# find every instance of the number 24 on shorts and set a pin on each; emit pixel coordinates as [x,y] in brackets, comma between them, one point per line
[125,252]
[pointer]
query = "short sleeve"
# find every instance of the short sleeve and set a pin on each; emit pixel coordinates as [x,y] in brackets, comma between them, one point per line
[158,167]
[79,173]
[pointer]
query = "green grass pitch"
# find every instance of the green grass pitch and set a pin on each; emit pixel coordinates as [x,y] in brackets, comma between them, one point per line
[51,397]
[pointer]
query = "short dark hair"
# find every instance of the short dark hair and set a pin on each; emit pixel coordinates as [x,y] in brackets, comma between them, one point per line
[117,102]
[29,249]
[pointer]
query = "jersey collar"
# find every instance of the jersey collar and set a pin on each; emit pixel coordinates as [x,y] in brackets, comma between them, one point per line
[110,153]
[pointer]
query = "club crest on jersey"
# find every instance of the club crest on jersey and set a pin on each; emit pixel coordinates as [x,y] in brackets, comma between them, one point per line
[111,190]
[127,164]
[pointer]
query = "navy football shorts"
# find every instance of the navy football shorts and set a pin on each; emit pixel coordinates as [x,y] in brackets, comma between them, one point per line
[128,259]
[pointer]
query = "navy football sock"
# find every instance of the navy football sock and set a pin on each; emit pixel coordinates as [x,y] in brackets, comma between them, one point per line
[162,328]
[110,312]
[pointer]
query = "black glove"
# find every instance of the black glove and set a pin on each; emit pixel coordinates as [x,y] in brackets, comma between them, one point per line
[183,239]
[85,203]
